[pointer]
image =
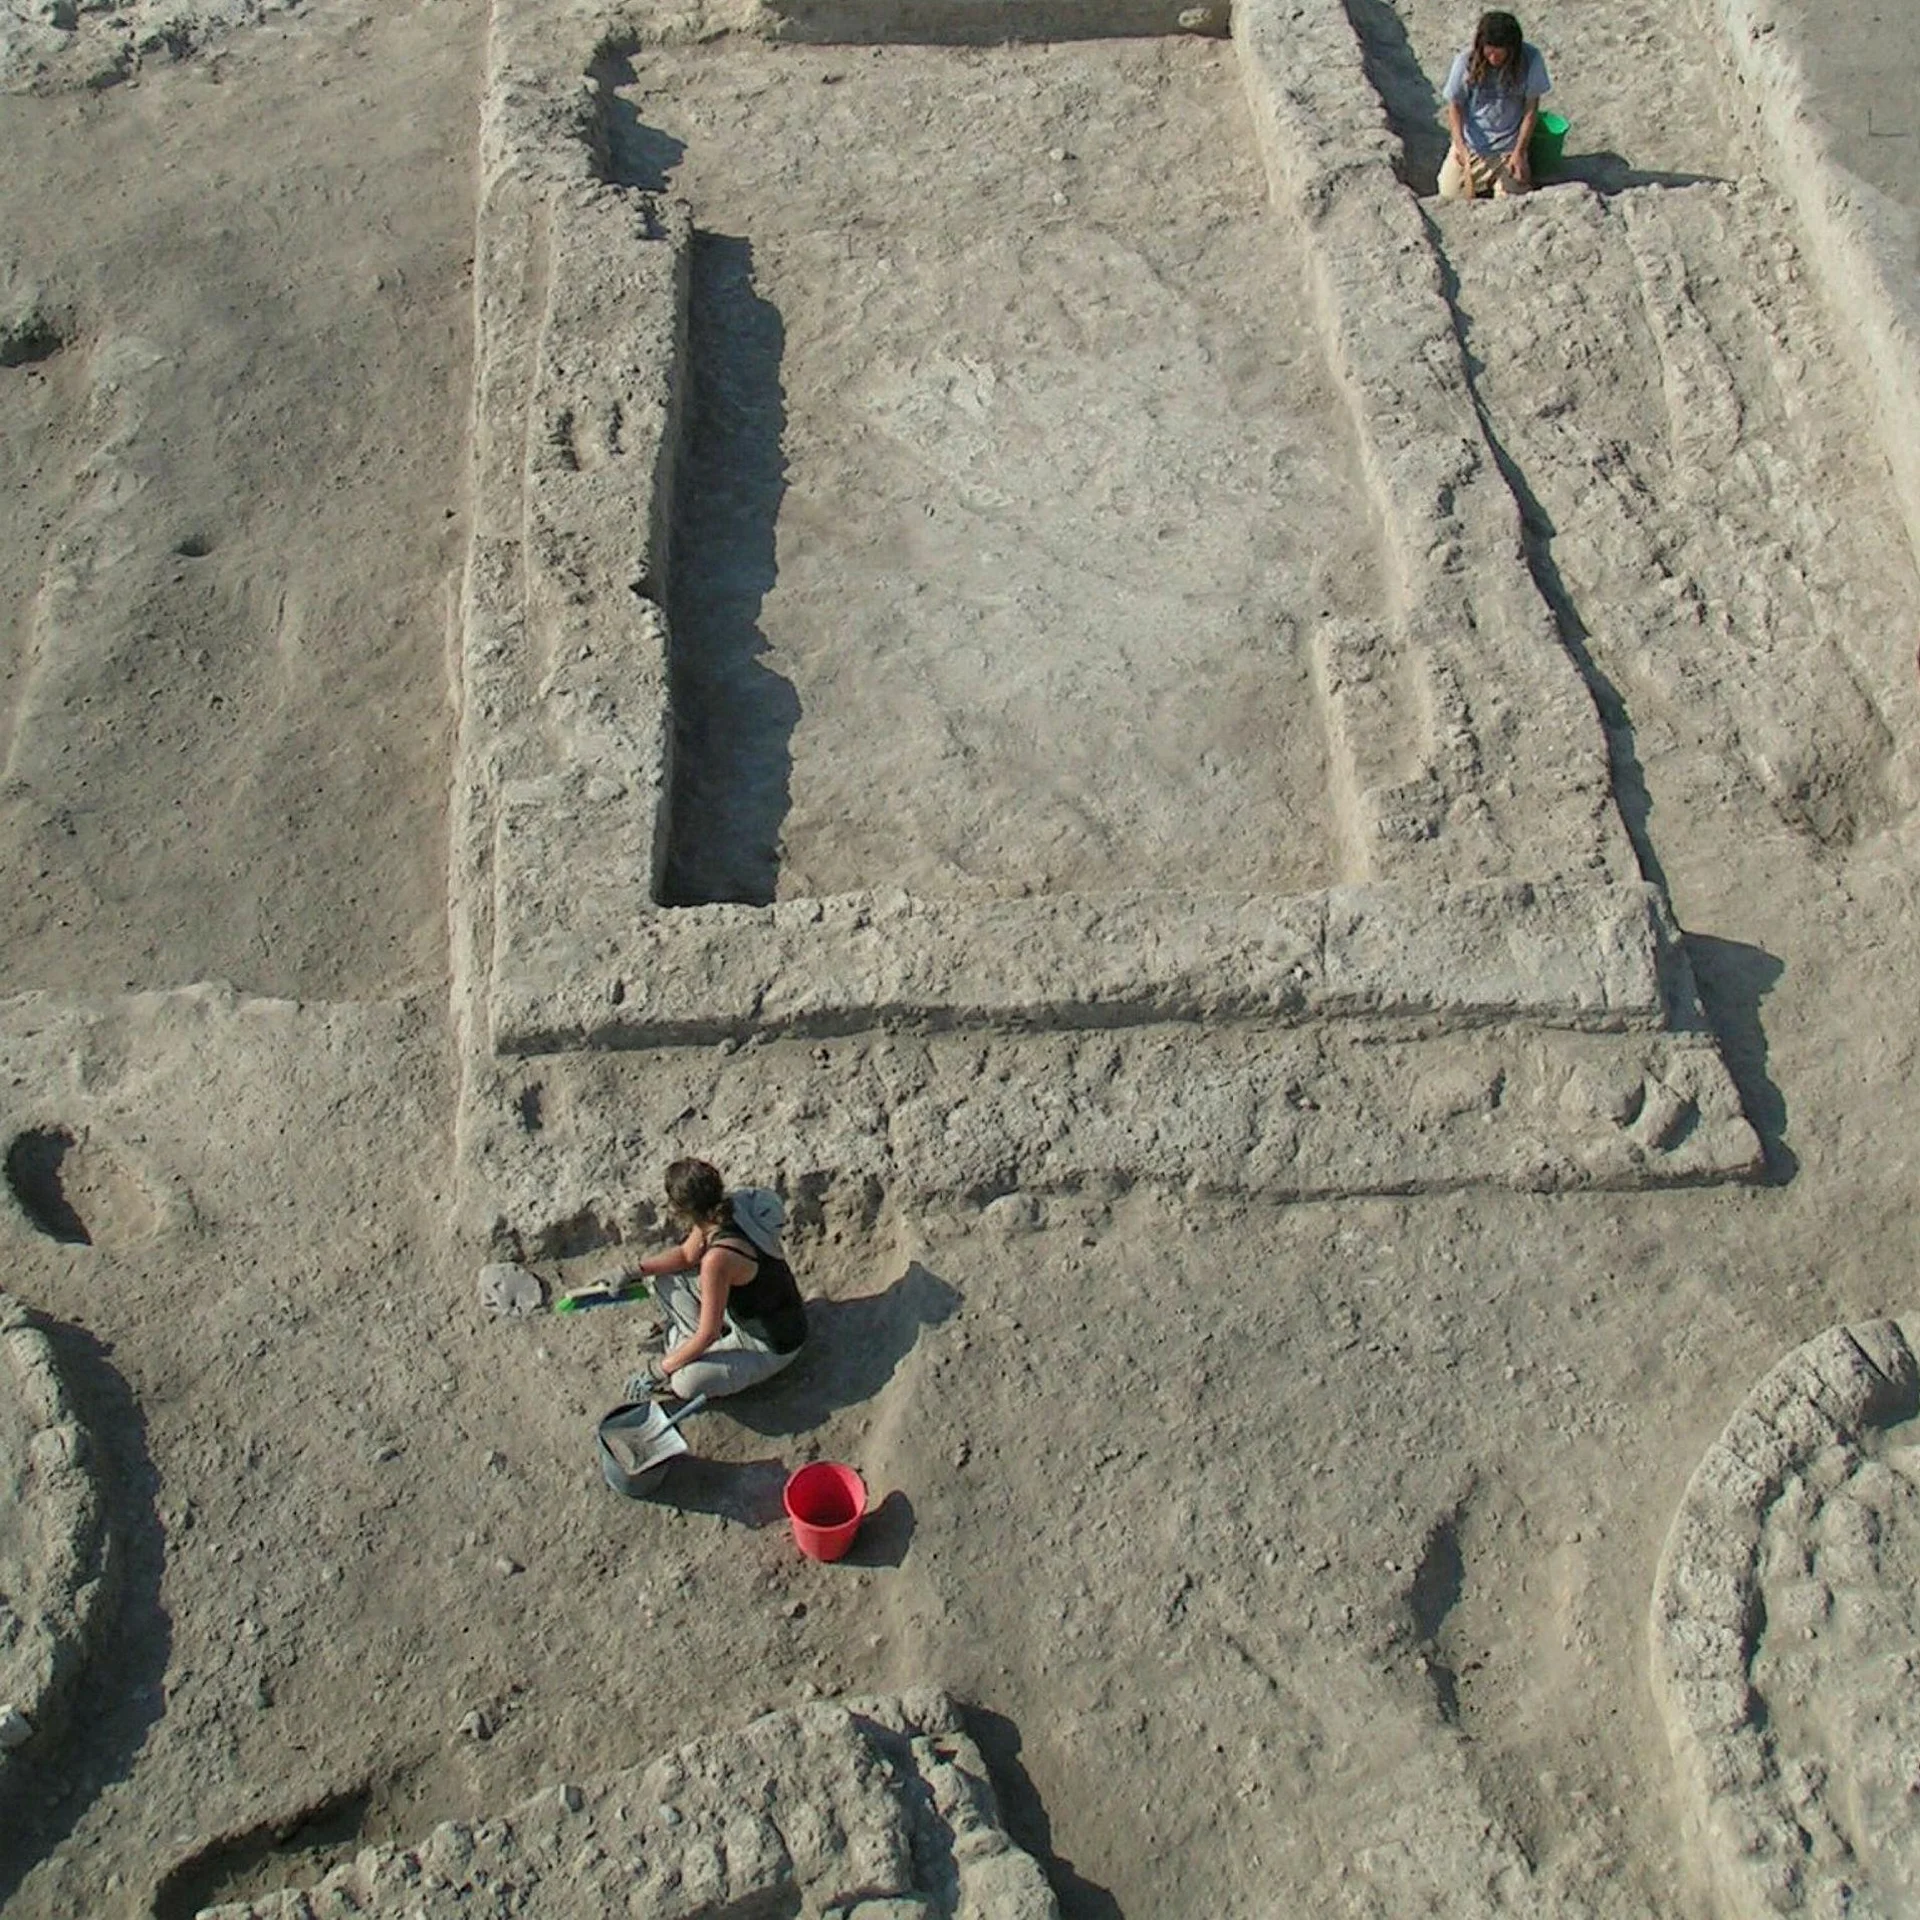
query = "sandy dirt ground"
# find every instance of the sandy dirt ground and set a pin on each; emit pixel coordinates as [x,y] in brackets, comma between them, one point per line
[1292,1560]
[227,710]
[977,592]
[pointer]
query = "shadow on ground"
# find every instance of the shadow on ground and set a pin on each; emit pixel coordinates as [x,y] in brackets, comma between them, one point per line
[745,1492]
[1608,172]
[1734,979]
[1025,1817]
[852,1350]
[853,1347]
[121,1693]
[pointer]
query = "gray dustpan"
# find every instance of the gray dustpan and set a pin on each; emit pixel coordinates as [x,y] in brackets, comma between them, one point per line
[639,1441]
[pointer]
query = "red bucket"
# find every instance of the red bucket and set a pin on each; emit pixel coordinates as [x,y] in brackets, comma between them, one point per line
[826,1503]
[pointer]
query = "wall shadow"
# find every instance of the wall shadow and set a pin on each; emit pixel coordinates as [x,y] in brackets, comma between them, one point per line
[1734,979]
[634,154]
[1537,534]
[120,1694]
[1412,106]
[853,1347]
[1026,1819]
[733,717]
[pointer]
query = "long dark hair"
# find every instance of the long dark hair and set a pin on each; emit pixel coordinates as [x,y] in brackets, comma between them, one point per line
[1500,30]
[697,1194]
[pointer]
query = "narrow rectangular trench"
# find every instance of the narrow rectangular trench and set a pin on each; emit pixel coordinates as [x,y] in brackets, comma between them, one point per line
[1014,482]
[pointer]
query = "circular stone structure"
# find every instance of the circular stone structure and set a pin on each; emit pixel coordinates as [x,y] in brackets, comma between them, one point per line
[1785,1616]
[53,1548]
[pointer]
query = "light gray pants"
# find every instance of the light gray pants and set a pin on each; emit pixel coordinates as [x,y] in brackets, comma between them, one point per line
[735,1361]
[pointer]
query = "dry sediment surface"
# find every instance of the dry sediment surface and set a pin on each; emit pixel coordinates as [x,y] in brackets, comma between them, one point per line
[1290,1545]
[230,444]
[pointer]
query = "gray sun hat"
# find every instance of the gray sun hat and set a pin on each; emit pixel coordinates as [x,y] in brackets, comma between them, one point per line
[759,1214]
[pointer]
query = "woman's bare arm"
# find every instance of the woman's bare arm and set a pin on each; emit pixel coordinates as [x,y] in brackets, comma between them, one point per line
[1523,139]
[720,1270]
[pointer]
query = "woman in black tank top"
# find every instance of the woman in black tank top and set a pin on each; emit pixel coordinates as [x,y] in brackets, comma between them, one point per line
[733,1306]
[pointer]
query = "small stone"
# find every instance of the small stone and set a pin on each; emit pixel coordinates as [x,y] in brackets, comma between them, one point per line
[1011,1213]
[1056,154]
[962,1454]
[796,1610]
[493,1460]
[15,1729]
[476,1726]
[384,1454]
[572,1798]
[1059,198]
[669,1816]
[506,1566]
[263,1693]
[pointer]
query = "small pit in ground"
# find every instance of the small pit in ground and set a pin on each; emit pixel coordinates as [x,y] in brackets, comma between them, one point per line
[1014,484]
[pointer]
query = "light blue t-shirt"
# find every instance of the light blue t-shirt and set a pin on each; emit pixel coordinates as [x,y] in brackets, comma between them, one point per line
[1493,113]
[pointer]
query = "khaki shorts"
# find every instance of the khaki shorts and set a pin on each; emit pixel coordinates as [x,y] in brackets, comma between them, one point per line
[1484,173]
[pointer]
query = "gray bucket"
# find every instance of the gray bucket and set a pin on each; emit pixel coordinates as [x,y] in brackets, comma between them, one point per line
[638,1441]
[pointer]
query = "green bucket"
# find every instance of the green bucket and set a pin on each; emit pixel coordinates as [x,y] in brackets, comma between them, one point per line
[1548,142]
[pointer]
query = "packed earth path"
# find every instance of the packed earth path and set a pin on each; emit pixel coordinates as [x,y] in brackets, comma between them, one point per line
[1285,813]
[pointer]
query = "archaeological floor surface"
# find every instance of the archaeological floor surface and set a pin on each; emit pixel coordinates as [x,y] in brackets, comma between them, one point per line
[1285,813]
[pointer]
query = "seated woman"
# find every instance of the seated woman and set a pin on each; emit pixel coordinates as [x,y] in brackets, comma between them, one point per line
[1493,98]
[734,1312]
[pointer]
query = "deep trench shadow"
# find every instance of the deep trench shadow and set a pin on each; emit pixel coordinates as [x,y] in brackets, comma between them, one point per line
[1025,1817]
[1412,106]
[120,1695]
[733,717]
[1734,979]
[853,1347]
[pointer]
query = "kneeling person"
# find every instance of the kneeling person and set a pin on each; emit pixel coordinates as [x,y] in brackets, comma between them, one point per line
[734,1312]
[1493,96]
